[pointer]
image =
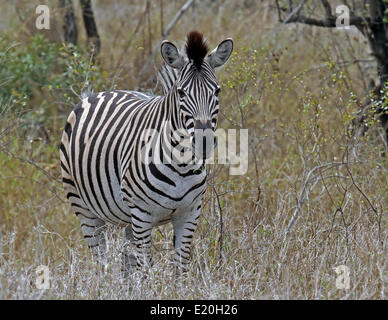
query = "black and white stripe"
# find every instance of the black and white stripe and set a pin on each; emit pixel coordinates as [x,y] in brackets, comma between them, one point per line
[167,76]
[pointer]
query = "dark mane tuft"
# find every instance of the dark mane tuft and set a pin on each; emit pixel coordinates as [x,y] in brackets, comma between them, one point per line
[196,48]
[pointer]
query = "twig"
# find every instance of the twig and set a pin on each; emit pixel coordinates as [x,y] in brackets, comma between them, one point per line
[327,22]
[295,12]
[179,14]
[221,238]
[378,219]
[127,46]
[52,190]
[161,18]
[327,8]
[301,198]
[166,32]
[48,175]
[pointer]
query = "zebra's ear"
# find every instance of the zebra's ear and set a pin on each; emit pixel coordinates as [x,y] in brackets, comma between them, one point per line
[171,55]
[221,54]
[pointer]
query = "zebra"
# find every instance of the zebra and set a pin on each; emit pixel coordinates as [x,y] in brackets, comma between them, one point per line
[104,176]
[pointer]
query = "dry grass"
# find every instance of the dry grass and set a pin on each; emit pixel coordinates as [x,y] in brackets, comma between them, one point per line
[286,86]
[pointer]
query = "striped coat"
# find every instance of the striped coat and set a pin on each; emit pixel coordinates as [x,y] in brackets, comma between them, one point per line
[117,155]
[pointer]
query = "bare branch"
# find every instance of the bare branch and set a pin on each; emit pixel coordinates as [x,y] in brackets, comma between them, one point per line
[327,8]
[220,239]
[310,177]
[166,32]
[295,12]
[328,22]
[48,175]
[178,15]
[278,10]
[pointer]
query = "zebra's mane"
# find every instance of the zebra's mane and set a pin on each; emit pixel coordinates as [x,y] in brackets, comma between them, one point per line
[196,48]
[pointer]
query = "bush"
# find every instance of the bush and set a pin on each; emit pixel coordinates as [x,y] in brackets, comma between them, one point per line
[41,78]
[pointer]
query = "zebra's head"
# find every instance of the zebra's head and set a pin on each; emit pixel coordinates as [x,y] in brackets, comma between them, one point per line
[196,89]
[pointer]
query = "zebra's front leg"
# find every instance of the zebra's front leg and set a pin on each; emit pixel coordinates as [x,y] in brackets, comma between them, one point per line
[128,265]
[142,236]
[184,228]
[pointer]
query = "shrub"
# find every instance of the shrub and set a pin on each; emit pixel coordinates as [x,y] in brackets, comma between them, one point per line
[41,78]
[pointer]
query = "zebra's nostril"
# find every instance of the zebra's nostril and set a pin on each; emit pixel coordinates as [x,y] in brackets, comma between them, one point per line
[202,124]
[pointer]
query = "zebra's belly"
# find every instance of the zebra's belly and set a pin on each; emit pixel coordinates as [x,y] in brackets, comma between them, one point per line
[161,202]
[106,202]
[116,201]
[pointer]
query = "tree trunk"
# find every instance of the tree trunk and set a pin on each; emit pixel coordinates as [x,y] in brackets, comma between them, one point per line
[90,25]
[378,41]
[373,26]
[70,22]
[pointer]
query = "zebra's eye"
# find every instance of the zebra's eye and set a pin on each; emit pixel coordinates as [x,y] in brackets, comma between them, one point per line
[217,92]
[181,93]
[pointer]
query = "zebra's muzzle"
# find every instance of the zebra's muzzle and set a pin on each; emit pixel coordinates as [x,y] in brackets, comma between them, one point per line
[202,124]
[203,140]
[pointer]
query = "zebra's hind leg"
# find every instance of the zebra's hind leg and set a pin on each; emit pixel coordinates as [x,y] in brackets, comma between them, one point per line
[128,259]
[93,228]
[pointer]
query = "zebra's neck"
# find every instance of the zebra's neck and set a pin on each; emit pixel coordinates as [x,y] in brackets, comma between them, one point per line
[167,76]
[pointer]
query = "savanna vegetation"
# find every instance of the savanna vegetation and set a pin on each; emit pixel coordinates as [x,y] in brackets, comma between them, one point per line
[315,196]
